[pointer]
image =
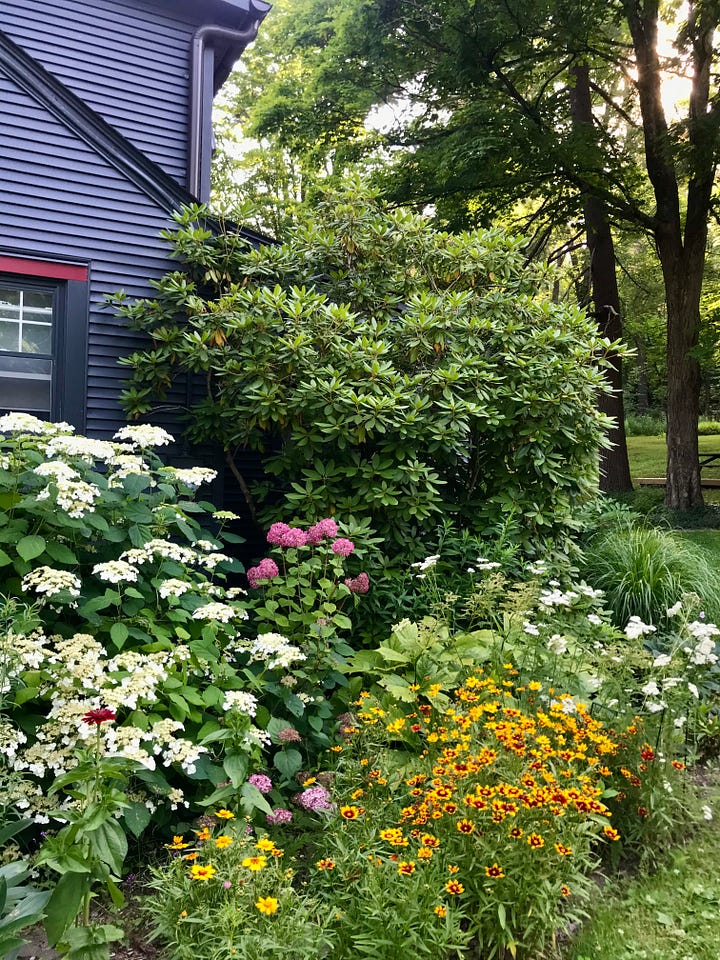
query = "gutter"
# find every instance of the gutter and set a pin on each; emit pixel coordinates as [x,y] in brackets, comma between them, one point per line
[199,45]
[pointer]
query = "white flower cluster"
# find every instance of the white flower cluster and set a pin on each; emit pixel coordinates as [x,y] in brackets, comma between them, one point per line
[275,650]
[192,476]
[26,423]
[84,448]
[174,588]
[116,571]
[183,752]
[46,580]
[703,652]
[144,435]
[11,739]
[221,612]
[241,701]
[76,497]
[57,469]
[556,598]
[427,564]
[557,644]
[127,463]
[636,628]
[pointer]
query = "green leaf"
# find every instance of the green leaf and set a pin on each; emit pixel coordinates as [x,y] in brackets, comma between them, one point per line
[60,552]
[288,762]
[119,634]
[236,767]
[109,844]
[64,904]
[30,547]
[137,817]
[254,800]
[4,559]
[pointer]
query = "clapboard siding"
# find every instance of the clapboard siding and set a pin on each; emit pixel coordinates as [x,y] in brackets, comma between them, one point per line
[129,61]
[81,208]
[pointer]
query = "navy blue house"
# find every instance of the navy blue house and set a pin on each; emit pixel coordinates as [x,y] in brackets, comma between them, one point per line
[105,129]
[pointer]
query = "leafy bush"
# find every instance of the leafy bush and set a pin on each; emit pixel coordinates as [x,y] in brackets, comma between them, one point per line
[132,613]
[645,424]
[708,428]
[644,570]
[383,369]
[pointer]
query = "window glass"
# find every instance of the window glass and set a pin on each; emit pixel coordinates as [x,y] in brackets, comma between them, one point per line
[27,318]
[26,347]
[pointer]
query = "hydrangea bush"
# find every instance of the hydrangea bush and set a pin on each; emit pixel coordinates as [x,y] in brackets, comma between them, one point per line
[131,611]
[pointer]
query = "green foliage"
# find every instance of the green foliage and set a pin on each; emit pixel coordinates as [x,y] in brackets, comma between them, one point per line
[133,614]
[645,425]
[387,372]
[644,570]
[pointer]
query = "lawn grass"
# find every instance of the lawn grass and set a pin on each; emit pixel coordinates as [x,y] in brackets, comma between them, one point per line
[673,914]
[648,455]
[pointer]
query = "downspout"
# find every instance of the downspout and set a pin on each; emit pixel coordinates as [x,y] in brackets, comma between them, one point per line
[199,44]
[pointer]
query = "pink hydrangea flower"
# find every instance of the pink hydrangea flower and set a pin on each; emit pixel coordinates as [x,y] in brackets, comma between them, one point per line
[263,783]
[276,531]
[322,530]
[358,584]
[343,547]
[267,569]
[293,537]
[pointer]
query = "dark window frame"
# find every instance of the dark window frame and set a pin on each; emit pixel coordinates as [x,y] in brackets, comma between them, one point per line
[70,286]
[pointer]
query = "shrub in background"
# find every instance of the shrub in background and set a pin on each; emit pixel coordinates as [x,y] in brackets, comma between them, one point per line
[383,369]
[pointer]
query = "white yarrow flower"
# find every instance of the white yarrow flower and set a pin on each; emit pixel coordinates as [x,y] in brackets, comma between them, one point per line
[674,610]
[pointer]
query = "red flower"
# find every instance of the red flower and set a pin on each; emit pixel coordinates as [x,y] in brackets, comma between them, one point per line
[98,715]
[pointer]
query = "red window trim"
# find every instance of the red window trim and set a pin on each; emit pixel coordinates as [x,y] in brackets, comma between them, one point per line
[43,268]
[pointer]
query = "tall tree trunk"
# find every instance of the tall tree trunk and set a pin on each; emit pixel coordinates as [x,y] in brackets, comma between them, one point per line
[681,251]
[643,395]
[683,283]
[614,464]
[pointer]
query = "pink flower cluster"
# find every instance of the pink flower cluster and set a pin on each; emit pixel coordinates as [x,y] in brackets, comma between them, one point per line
[358,584]
[342,547]
[263,783]
[314,799]
[267,569]
[279,815]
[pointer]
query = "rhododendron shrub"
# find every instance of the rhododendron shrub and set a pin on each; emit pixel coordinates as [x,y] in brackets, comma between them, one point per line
[383,369]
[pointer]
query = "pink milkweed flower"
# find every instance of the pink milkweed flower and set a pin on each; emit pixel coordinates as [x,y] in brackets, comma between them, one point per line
[322,530]
[342,547]
[358,584]
[279,815]
[276,531]
[267,569]
[263,783]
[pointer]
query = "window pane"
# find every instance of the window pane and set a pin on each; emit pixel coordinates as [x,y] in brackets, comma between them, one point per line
[36,298]
[26,384]
[9,335]
[37,338]
[9,296]
[9,313]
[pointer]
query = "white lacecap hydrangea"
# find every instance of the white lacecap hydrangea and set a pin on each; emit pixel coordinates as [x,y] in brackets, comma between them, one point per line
[221,612]
[241,701]
[116,571]
[144,435]
[192,476]
[84,448]
[50,582]
[27,423]
[174,588]
[57,469]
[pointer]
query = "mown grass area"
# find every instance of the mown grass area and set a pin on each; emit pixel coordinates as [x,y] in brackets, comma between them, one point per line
[648,455]
[674,914]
